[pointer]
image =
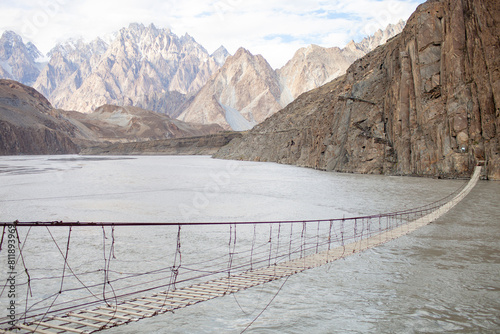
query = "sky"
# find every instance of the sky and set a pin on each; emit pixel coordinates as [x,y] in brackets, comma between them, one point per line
[274,28]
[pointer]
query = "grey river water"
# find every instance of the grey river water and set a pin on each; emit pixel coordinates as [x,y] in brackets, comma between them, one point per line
[443,278]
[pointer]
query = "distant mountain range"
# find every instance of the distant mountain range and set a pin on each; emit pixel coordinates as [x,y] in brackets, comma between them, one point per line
[154,69]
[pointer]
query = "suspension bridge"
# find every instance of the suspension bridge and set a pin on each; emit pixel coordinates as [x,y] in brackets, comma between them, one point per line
[95,276]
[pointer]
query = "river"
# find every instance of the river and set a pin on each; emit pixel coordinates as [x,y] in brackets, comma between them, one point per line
[443,278]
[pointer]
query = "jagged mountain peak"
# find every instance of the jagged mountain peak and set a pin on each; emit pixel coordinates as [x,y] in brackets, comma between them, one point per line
[11,37]
[9,42]
[18,61]
[220,55]
[314,65]
[34,52]
[79,47]
[139,65]
[244,92]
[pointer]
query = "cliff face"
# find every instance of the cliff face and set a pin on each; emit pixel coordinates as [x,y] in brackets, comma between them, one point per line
[425,103]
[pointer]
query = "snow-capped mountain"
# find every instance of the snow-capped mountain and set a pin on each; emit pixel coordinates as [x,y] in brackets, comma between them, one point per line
[19,61]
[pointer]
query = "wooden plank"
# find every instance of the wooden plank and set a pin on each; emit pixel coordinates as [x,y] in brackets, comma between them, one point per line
[223,286]
[107,321]
[241,283]
[255,276]
[183,295]
[170,300]
[208,286]
[145,311]
[164,303]
[121,311]
[112,316]
[34,329]
[232,283]
[227,289]
[145,305]
[83,323]
[204,291]
[64,328]
[188,291]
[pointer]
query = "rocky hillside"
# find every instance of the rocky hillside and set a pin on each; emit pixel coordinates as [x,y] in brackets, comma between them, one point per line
[200,145]
[27,124]
[246,90]
[111,123]
[425,103]
[30,125]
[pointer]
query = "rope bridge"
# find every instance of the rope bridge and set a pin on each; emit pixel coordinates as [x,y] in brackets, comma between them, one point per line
[76,277]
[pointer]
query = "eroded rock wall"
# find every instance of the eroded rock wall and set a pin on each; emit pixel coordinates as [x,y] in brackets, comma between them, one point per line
[426,103]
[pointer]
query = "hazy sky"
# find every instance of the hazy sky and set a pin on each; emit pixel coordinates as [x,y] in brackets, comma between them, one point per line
[273,28]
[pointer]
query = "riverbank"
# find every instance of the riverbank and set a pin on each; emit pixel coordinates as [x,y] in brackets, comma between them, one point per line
[200,145]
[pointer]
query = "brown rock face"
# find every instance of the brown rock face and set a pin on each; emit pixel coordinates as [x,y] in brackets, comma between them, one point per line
[426,103]
[26,125]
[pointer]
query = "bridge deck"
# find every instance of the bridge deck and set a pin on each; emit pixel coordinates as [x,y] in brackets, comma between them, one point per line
[108,316]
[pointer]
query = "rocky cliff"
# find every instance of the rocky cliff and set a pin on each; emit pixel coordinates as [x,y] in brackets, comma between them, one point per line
[425,103]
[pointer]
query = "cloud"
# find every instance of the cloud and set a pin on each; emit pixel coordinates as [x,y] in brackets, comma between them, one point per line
[274,28]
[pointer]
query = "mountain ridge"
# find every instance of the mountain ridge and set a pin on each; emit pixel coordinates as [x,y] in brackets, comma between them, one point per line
[157,70]
[238,99]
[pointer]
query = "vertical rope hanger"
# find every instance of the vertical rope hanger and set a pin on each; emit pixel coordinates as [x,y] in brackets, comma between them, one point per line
[178,255]
[231,248]
[253,245]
